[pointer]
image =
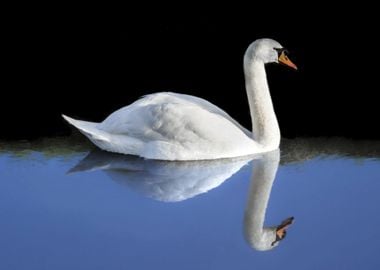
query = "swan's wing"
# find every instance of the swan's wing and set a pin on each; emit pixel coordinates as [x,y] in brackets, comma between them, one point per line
[179,124]
[211,108]
[169,98]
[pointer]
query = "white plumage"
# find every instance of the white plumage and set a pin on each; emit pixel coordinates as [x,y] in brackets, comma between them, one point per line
[172,126]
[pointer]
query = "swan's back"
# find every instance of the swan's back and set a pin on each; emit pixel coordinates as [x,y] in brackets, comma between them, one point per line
[154,103]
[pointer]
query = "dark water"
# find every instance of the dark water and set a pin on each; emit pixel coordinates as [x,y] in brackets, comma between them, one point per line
[65,206]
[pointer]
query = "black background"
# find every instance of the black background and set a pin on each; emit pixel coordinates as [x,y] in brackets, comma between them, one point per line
[87,63]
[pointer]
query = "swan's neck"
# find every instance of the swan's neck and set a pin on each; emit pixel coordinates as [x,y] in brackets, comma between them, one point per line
[264,173]
[265,127]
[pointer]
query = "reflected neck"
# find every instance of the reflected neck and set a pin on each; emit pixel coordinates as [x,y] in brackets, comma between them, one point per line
[265,127]
[264,173]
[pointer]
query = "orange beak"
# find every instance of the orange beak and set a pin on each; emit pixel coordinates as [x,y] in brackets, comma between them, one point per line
[286,61]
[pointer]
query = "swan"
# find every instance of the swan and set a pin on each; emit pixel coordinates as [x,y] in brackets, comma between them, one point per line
[173,126]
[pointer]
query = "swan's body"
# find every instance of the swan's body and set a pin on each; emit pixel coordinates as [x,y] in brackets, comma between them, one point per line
[170,126]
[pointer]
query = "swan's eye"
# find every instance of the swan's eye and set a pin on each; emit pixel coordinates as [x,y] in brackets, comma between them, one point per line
[278,50]
[281,50]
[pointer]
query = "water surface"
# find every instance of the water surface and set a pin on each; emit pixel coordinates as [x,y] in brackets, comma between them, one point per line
[64,205]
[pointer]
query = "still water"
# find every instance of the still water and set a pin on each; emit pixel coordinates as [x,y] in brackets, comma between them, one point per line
[64,205]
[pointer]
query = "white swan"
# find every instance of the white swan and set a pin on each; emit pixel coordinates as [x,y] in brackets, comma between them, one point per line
[171,126]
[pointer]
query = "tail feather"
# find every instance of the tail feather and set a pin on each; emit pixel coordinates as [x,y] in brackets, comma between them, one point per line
[89,129]
[117,143]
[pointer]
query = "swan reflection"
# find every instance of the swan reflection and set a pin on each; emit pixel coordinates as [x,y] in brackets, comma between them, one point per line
[170,181]
[167,181]
[262,178]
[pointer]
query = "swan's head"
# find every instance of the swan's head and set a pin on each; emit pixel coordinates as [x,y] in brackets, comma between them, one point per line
[267,51]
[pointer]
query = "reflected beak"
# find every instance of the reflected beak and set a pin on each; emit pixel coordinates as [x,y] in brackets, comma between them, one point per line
[281,229]
[286,61]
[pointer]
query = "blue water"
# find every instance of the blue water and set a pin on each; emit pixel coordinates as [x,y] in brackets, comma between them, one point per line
[112,212]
